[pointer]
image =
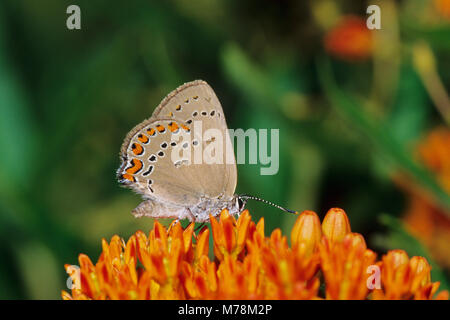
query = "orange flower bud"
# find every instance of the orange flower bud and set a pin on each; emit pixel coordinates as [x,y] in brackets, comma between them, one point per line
[335,225]
[306,231]
[405,278]
[421,270]
[396,258]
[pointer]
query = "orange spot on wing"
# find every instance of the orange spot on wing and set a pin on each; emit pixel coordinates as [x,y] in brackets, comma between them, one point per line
[128,177]
[137,165]
[137,149]
[173,127]
[160,128]
[142,138]
[185,127]
[151,131]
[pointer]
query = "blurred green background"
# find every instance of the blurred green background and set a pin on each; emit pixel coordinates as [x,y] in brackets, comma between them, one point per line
[348,127]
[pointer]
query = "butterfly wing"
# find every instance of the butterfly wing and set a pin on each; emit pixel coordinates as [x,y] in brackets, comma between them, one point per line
[147,165]
[193,102]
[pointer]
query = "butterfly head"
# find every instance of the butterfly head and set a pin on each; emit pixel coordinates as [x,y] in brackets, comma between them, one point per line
[239,203]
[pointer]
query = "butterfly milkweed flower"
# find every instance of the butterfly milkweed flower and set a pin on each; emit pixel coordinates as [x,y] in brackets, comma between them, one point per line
[443,8]
[350,39]
[173,263]
[423,217]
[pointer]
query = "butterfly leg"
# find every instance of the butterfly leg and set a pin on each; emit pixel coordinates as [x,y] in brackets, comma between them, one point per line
[172,224]
[199,227]
[190,215]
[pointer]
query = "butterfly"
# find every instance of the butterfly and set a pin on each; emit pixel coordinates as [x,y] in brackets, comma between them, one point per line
[181,189]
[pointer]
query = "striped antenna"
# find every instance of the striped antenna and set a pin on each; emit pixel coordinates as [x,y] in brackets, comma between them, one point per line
[248,197]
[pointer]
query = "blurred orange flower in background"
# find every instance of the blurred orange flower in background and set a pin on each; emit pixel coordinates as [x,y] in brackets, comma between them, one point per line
[424,218]
[168,264]
[443,7]
[350,39]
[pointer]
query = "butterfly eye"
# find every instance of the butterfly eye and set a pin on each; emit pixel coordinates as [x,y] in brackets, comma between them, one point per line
[241,204]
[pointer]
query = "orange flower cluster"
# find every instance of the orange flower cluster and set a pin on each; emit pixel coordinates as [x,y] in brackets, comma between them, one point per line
[424,218]
[250,265]
[350,39]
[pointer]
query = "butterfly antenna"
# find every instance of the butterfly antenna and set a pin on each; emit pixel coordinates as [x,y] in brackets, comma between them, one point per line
[248,197]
